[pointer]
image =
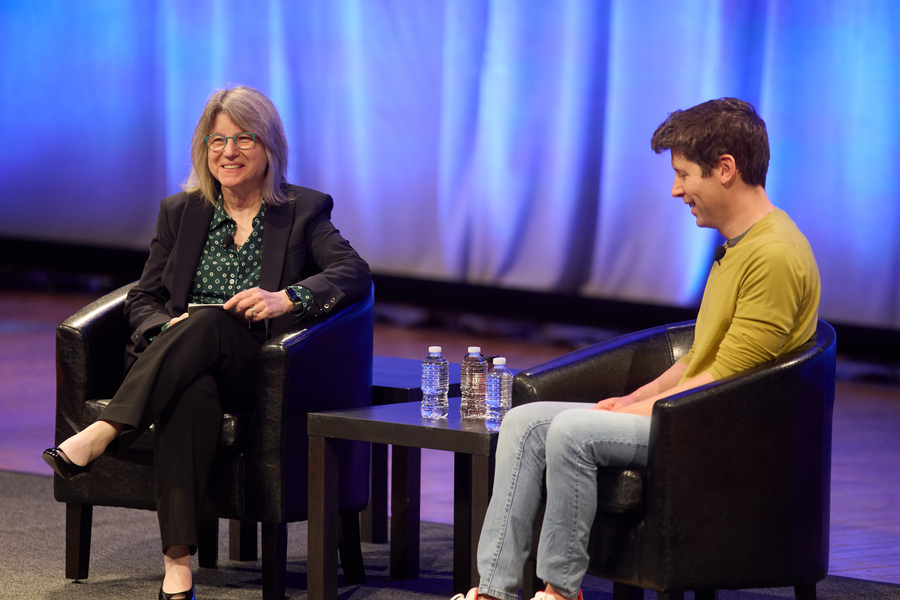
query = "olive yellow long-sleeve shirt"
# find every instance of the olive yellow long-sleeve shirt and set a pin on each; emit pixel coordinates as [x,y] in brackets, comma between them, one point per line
[761,300]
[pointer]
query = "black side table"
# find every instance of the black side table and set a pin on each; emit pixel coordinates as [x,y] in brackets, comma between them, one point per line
[402,426]
[394,380]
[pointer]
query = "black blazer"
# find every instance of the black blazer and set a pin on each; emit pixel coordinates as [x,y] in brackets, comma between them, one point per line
[300,247]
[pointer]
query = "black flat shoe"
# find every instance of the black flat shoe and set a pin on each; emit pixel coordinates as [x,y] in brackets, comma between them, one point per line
[63,467]
[188,595]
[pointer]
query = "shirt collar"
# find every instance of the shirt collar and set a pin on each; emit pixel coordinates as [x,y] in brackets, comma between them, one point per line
[220,216]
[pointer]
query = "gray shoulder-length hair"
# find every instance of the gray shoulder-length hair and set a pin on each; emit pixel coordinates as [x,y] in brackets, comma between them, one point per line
[252,111]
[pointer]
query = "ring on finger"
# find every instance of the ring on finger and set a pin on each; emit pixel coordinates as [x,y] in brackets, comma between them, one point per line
[253,312]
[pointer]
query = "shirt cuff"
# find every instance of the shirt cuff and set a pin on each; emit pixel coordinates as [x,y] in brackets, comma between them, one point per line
[153,337]
[306,300]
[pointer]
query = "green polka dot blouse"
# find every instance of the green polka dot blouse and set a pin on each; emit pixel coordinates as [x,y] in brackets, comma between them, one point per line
[223,271]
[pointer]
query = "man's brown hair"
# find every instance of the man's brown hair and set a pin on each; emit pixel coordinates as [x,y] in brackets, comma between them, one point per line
[707,131]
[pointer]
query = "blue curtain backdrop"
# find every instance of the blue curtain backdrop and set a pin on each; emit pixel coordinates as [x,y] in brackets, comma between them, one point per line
[498,142]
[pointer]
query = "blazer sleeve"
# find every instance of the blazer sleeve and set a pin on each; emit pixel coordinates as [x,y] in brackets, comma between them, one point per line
[340,275]
[145,305]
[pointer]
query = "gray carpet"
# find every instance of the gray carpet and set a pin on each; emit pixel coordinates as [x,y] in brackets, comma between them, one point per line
[126,561]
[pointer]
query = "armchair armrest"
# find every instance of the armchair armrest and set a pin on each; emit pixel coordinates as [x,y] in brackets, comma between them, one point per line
[89,357]
[611,368]
[327,366]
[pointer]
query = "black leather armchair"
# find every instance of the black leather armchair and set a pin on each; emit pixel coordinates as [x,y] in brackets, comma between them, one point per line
[736,492]
[260,471]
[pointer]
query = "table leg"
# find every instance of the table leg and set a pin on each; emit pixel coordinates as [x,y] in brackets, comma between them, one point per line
[323,520]
[373,520]
[462,522]
[482,487]
[472,486]
[406,475]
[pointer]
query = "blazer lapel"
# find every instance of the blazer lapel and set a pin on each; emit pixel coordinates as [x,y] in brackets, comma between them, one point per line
[192,235]
[275,240]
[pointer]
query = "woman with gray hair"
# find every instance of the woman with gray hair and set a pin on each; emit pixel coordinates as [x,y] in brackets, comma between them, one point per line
[241,237]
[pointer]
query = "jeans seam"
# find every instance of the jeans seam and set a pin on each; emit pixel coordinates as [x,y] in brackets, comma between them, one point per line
[488,589]
[582,461]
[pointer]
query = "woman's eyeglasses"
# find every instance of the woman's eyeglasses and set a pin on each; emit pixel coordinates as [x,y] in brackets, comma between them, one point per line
[244,141]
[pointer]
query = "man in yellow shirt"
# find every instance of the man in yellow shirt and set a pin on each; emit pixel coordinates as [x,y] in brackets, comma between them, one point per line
[762,295]
[761,301]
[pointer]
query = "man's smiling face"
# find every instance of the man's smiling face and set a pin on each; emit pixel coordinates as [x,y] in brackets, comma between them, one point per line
[703,194]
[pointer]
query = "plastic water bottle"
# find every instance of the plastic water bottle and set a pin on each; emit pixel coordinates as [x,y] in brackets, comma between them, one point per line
[473,372]
[435,384]
[499,393]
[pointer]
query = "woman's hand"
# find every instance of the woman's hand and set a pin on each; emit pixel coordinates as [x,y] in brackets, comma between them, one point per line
[174,320]
[257,304]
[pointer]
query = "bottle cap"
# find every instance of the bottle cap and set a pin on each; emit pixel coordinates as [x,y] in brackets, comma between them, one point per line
[499,361]
[434,349]
[474,349]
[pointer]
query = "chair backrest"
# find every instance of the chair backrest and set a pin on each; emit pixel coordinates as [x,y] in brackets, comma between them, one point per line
[680,337]
[611,368]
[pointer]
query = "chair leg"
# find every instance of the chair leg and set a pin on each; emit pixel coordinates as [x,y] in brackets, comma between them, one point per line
[706,595]
[805,592]
[374,519]
[242,538]
[532,583]
[274,560]
[623,591]
[208,543]
[350,549]
[78,539]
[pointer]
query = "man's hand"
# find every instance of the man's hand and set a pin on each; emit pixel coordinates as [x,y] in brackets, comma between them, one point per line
[636,404]
[257,304]
[644,407]
[626,404]
[635,401]
[613,404]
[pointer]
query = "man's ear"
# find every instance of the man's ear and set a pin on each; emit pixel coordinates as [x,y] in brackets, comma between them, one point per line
[727,169]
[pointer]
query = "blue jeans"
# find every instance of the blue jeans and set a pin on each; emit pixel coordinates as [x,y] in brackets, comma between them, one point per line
[570,441]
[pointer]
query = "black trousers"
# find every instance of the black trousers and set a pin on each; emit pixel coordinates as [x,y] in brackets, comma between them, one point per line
[183,382]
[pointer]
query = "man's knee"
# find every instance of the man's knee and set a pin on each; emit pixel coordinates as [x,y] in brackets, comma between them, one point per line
[522,419]
[565,429]
[516,417]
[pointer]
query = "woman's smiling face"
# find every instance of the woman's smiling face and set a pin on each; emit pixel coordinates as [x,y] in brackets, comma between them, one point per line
[239,171]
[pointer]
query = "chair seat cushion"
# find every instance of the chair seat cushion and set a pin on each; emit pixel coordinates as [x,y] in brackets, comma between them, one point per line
[232,439]
[620,491]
